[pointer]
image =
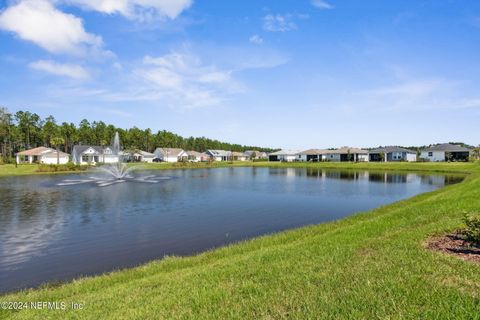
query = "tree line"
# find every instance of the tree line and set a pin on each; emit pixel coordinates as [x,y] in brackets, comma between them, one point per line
[24,130]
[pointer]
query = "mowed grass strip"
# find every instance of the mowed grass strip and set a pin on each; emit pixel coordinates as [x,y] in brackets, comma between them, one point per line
[367,266]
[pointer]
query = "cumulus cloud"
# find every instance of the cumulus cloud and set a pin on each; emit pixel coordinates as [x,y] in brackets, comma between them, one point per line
[180,80]
[256,39]
[321,4]
[40,22]
[278,23]
[135,9]
[67,70]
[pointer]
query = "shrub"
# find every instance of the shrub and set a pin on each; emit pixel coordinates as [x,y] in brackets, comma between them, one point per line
[472,230]
[62,167]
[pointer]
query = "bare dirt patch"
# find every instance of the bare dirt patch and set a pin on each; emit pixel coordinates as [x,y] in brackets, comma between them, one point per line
[455,244]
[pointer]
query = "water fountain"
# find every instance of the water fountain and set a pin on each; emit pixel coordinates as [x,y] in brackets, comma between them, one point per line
[115,172]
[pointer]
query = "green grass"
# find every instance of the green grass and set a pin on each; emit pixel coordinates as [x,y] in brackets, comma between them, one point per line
[371,265]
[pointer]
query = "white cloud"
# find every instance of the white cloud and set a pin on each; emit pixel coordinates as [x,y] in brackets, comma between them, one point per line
[279,23]
[322,4]
[67,70]
[135,9]
[40,22]
[180,80]
[256,39]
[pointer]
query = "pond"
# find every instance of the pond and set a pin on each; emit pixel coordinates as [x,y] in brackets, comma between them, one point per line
[57,233]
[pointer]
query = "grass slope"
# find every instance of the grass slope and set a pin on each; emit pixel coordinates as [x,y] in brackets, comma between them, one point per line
[370,265]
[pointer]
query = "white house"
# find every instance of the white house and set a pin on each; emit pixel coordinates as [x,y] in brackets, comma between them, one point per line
[312,155]
[219,155]
[42,155]
[93,154]
[445,152]
[194,156]
[284,155]
[347,154]
[392,154]
[170,154]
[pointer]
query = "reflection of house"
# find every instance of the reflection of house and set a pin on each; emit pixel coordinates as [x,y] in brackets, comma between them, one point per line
[312,155]
[389,154]
[93,154]
[219,155]
[238,156]
[138,156]
[195,156]
[170,154]
[445,152]
[347,154]
[283,155]
[42,155]
[254,154]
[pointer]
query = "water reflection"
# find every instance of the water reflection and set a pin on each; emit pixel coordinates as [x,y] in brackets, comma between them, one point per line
[56,233]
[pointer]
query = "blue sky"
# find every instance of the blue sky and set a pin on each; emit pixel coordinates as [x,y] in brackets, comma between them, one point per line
[280,73]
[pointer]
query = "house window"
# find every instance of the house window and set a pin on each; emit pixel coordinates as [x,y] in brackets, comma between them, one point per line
[85,158]
[430,154]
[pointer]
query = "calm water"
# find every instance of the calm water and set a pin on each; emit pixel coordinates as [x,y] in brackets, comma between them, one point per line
[50,233]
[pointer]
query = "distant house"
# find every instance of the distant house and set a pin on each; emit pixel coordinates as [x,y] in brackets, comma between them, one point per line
[138,156]
[254,154]
[312,155]
[446,152]
[347,154]
[93,154]
[194,156]
[392,154]
[238,156]
[170,154]
[219,155]
[42,155]
[284,155]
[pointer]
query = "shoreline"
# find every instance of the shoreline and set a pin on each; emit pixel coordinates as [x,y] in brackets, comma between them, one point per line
[373,236]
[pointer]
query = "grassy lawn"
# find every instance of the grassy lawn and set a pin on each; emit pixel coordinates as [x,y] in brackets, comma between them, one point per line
[367,266]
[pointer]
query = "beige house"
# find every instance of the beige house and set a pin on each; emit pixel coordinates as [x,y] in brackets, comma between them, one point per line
[42,155]
[195,156]
[238,156]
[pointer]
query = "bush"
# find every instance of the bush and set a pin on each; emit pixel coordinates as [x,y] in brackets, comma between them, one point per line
[62,167]
[472,231]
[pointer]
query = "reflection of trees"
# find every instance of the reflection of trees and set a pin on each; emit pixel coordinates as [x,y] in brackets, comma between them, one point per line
[34,220]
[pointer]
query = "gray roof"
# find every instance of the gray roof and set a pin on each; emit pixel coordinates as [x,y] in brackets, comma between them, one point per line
[145,153]
[347,150]
[82,148]
[285,153]
[193,153]
[447,147]
[171,152]
[219,153]
[391,149]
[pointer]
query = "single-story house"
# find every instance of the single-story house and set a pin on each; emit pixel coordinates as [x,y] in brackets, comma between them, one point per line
[392,154]
[42,155]
[219,155]
[94,154]
[347,154]
[445,152]
[254,154]
[284,155]
[195,156]
[238,156]
[170,154]
[312,155]
[138,156]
